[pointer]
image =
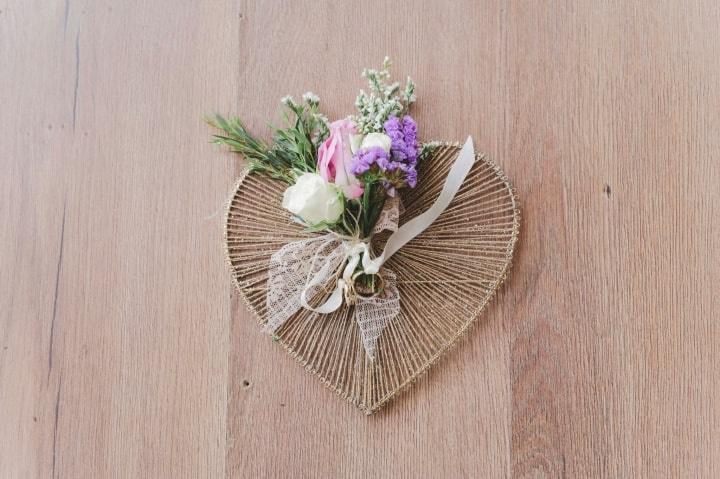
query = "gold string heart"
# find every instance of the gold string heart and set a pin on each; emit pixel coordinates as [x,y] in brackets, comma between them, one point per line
[446,276]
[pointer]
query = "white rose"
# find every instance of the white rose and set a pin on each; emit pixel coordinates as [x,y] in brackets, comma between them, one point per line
[314,200]
[368,141]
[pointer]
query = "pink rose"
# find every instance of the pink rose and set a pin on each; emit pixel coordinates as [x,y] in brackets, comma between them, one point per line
[334,157]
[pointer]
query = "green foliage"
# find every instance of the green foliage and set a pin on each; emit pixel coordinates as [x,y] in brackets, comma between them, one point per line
[293,150]
[426,149]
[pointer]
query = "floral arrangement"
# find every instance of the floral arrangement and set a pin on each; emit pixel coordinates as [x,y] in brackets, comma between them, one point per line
[343,179]
[340,174]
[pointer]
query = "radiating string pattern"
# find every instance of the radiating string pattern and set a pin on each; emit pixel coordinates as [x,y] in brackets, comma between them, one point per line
[445,277]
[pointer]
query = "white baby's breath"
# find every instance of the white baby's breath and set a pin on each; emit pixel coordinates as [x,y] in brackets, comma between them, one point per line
[311,98]
[383,101]
[287,100]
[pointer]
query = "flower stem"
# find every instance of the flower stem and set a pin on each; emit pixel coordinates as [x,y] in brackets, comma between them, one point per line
[366,208]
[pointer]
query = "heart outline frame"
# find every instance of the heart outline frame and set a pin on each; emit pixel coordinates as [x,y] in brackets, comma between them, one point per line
[360,380]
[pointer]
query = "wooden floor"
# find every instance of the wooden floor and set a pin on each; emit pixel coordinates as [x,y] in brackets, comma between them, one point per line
[124,351]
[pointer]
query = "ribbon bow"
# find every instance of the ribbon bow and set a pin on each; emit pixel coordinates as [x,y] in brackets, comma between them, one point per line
[301,270]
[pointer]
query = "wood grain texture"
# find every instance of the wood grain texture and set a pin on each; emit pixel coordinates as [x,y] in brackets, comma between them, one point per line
[125,353]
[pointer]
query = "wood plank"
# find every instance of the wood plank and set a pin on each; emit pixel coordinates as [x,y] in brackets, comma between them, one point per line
[612,109]
[124,351]
[114,293]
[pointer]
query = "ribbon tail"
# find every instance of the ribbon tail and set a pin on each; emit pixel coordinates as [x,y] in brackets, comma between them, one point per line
[454,180]
[374,314]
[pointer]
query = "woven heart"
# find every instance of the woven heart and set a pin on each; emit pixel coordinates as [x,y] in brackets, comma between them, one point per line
[445,277]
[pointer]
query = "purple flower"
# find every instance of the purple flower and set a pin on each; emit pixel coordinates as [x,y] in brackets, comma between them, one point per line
[410,134]
[396,168]
[403,134]
[393,165]
[410,175]
[394,128]
[365,158]
[403,148]
[382,163]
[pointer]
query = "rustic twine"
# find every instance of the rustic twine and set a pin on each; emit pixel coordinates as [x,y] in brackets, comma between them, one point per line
[446,276]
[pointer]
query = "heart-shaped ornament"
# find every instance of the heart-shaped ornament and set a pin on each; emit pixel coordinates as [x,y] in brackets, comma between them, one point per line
[445,277]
